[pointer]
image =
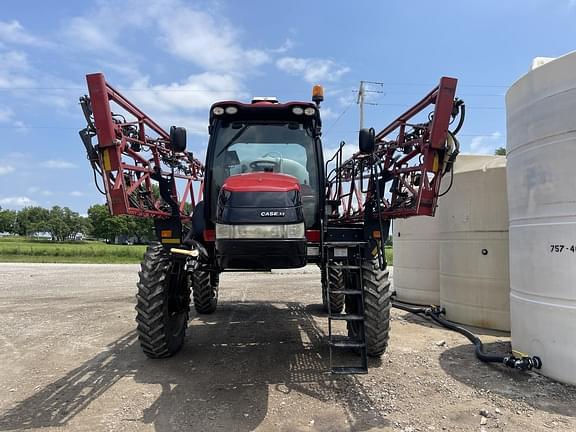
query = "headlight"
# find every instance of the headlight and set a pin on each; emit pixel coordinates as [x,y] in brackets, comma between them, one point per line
[231,110]
[258,231]
[224,231]
[295,231]
[309,111]
[297,110]
[217,110]
[279,231]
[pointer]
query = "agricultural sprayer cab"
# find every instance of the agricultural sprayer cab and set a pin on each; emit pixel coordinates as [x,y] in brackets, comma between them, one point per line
[266,199]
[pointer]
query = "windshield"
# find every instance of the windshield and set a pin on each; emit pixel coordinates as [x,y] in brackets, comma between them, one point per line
[279,148]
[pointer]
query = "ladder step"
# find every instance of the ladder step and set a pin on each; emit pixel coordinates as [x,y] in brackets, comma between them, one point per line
[346,343]
[347,292]
[347,317]
[349,370]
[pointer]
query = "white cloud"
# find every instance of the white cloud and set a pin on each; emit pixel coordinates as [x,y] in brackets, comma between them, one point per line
[200,37]
[57,164]
[486,144]
[89,33]
[16,72]
[210,43]
[191,34]
[327,113]
[195,92]
[6,114]
[313,70]
[14,68]
[20,201]
[37,191]
[185,103]
[6,169]
[13,32]
[286,46]
[76,194]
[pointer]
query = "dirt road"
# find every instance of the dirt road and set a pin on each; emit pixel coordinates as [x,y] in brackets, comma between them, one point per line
[69,360]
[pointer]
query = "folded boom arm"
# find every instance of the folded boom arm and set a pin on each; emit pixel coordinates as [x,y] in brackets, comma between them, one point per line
[402,176]
[141,174]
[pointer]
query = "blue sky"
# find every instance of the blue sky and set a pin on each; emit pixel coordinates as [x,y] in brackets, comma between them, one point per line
[174,58]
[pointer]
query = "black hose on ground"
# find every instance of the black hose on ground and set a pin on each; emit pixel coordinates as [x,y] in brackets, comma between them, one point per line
[434,312]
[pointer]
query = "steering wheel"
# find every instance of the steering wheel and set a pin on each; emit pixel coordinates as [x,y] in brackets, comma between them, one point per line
[265,165]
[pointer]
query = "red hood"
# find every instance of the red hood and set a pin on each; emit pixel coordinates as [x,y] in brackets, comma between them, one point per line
[261,182]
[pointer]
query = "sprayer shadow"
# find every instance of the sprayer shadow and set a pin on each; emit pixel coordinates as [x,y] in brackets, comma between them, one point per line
[235,362]
[538,391]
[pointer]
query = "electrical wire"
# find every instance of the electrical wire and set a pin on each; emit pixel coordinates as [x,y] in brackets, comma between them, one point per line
[329,128]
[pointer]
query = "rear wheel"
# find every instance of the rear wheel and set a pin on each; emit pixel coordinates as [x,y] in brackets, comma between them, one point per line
[377,306]
[335,278]
[163,303]
[205,289]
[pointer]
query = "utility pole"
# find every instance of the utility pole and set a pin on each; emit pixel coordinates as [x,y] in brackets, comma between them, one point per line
[360,100]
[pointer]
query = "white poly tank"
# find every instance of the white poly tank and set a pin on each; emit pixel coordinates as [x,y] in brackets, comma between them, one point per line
[416,246]
[541,123]
[473,218]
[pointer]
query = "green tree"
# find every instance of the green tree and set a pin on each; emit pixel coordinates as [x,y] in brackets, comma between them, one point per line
[108,227]
[500,151]
[100,220]
[143,228]
[7,221]
[63,223]
[31,220]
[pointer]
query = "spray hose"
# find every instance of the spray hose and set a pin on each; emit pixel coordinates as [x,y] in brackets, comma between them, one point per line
[434,313]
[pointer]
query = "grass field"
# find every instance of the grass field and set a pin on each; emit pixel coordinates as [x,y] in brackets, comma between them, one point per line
[389,257]
[19,249]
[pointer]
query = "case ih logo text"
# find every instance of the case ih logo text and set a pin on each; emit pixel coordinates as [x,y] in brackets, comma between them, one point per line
[272,214]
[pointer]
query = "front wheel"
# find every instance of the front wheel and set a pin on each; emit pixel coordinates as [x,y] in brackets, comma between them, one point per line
[205,290]
[163,303]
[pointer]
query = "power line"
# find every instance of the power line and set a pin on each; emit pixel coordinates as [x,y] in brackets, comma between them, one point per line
[183,90]
[329,128]
[469,107]
[459,85]
[459,94]
[69,128]
[124,89]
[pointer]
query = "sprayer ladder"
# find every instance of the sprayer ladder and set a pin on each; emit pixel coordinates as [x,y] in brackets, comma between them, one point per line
[347,257]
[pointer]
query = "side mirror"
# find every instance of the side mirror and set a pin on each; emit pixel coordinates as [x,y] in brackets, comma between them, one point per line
[366,140]
[177,139]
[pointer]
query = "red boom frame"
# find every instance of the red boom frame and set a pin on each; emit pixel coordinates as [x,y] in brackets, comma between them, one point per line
[127,171]
[415,162]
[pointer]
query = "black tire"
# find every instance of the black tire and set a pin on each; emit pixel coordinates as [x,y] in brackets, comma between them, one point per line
[205,291]
[377,305]
[163,303]
[335,278]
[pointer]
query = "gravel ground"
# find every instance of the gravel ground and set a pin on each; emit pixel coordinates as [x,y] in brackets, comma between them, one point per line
[70,361]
